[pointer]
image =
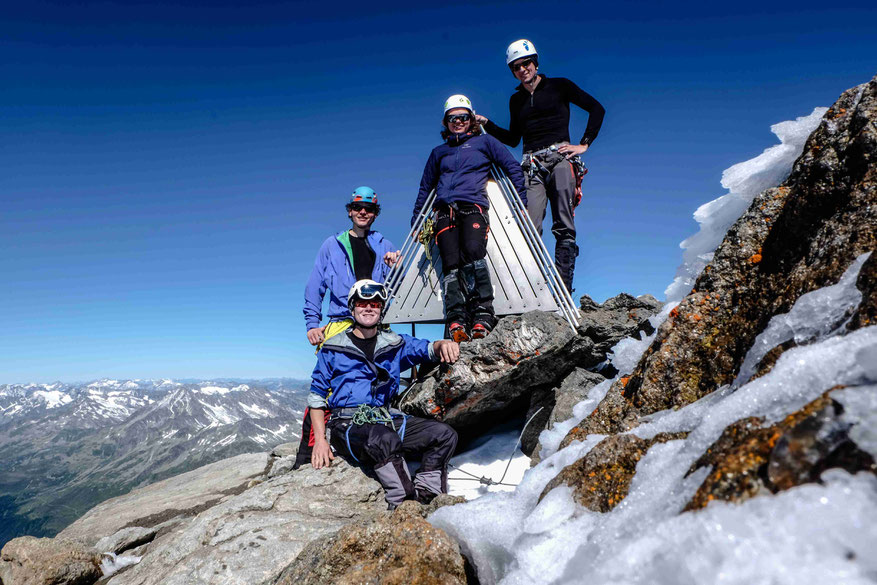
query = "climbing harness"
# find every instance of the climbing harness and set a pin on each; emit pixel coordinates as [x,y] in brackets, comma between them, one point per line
[425,238]
[533,163]
[488,481]
[366,414]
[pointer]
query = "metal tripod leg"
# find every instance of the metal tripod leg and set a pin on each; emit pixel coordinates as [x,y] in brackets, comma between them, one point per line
[537,248]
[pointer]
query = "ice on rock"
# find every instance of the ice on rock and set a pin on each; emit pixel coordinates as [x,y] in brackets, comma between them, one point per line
[645,539]
[550,439]
[744,181]
[815,315]
[860,410]
[555,508]
[810,534]
[625,354]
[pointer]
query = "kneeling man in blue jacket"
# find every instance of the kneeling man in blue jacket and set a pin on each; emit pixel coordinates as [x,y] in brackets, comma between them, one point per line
[356,377]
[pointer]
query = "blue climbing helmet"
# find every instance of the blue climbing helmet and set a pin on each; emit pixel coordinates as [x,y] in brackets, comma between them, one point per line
[364,196]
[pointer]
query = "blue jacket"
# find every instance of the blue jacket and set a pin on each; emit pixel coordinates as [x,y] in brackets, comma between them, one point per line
[343,370]
[333,270]
[459,168]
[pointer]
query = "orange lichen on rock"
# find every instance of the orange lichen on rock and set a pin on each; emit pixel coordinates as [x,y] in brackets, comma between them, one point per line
[602,478]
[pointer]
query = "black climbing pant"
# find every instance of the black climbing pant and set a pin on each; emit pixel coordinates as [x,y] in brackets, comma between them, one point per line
[381,447]
[461,235]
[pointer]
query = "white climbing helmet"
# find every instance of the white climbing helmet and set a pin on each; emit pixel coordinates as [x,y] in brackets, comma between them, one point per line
[519,50]
[366,290]
[458,101]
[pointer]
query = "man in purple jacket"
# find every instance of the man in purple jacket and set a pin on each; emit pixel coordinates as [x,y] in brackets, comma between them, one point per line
[355,254]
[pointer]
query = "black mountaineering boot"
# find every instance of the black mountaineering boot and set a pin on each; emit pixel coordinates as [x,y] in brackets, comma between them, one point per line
[565,252]
[455,306]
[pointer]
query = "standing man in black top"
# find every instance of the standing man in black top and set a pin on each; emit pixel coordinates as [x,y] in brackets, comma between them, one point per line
[539,112]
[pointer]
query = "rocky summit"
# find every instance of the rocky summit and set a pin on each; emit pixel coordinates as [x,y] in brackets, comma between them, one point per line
[741,429]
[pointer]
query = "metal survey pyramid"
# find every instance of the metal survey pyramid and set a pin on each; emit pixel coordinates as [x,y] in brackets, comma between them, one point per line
[523,274]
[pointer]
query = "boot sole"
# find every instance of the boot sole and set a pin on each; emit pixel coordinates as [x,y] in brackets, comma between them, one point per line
[459,336]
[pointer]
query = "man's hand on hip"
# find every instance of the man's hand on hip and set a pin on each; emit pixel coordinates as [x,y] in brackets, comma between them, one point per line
[570,150]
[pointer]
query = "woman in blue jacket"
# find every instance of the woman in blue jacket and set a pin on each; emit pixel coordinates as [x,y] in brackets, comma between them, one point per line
[458,171]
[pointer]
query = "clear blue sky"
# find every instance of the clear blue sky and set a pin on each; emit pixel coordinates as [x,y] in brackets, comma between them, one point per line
[168,170]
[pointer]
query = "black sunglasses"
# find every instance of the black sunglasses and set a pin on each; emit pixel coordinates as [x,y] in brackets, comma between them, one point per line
[357,207]
[521,64]
[458,118]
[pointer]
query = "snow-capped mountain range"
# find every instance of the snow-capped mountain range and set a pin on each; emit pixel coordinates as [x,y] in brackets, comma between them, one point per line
[66,447]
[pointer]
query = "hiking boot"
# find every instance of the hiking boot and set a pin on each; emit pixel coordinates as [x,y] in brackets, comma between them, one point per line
[480,331]
[458,332]
[425,497]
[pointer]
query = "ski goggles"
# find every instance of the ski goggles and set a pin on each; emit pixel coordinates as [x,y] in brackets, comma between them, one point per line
[372,291]
[458,118]
[368,304]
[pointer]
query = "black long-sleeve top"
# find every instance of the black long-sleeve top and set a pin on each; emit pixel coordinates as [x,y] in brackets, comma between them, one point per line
[542,118]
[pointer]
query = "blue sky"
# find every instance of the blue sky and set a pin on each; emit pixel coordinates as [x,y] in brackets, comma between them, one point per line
[168,170]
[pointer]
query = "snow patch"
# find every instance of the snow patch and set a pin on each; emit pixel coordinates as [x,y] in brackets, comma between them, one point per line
[860,410]
[113,563]
[744,181]
[213,390]
[489,458]
[53,398]
[254,410]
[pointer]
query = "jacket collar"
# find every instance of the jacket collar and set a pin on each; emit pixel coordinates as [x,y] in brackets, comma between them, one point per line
[538,85]
[457,139]
[341,342]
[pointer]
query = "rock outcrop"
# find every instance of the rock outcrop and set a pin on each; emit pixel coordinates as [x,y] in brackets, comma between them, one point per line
[43,561]
[618,317]
[156,506]
[793,239]
[752,458]
[397,548]
[493,374]
[523,361]
[251,537]
[241,521]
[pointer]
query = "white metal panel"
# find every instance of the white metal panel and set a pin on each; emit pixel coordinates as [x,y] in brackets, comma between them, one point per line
[518,283]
